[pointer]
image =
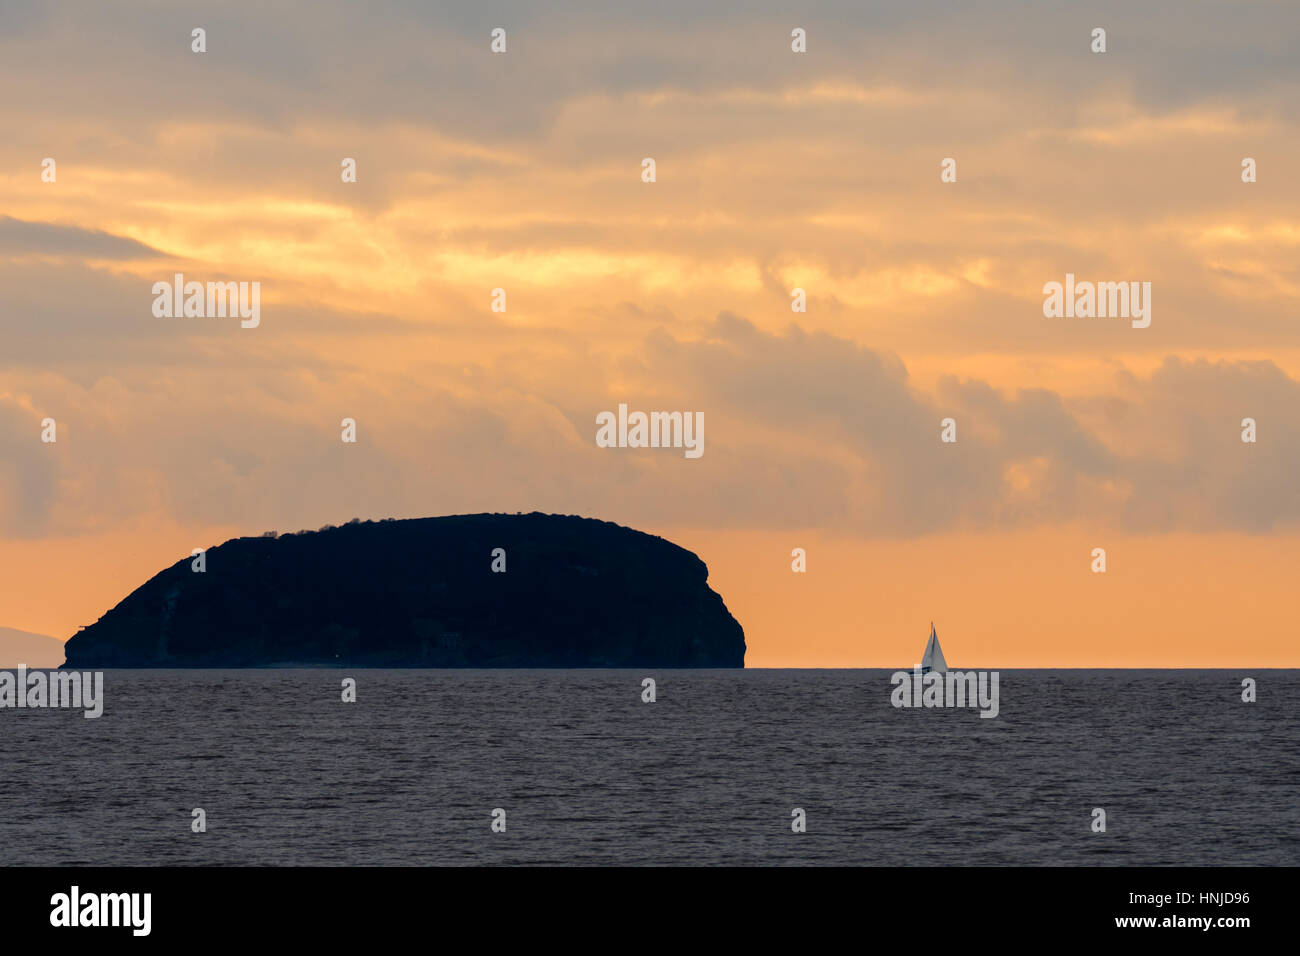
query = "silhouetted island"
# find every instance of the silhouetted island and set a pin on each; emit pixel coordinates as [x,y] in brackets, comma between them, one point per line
[575,592]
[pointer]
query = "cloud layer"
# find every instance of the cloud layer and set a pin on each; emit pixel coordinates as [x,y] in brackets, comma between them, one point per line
[775,171]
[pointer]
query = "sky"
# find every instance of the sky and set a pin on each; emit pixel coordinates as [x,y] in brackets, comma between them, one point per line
[774,170]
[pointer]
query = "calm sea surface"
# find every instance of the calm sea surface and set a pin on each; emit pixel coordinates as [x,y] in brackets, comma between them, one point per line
[708,774]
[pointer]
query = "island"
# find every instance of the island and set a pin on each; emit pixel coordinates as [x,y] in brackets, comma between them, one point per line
[484,590]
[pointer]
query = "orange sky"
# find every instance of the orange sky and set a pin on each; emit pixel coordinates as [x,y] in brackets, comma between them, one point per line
[774,170]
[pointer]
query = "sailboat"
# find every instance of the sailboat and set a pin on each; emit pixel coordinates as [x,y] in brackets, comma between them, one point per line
[933,659]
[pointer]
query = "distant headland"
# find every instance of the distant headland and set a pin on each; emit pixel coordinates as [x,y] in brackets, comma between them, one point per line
[487,590]
[24,647]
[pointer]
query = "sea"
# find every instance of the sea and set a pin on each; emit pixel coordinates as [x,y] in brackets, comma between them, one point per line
[553,767]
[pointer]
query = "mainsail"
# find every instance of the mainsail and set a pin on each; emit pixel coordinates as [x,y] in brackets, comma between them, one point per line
[933,659]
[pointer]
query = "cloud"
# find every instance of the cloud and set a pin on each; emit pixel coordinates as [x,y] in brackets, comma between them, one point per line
[521,171]
[803,429]
[820,169]
[1164,455]
[18,238]
[29,470]
[426,63]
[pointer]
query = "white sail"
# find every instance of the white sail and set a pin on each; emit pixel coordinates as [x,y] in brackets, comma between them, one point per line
[933,659]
